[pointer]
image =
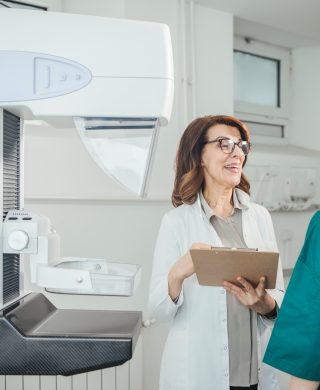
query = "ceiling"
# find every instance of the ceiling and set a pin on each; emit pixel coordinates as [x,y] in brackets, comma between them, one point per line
[291,23]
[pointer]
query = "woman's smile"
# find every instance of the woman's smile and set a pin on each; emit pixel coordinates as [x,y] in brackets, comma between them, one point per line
[233,168]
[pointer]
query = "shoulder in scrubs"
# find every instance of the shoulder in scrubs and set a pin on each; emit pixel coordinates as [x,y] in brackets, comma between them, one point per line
[294,346]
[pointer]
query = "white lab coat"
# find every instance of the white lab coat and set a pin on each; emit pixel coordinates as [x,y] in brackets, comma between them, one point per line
[196,353]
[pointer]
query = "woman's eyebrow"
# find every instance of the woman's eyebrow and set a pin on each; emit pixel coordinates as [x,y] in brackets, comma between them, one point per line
[225,137]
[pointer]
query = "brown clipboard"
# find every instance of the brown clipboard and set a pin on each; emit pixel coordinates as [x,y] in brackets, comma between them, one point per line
[216,265]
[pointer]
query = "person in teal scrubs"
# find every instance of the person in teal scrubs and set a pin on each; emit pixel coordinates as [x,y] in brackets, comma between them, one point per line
[294,346]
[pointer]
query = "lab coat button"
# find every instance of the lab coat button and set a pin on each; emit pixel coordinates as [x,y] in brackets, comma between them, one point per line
[222,291]
[226,374]
[225,347]
[224,320]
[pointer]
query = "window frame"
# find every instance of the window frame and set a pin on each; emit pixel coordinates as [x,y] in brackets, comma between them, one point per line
[251,119]
[266,114]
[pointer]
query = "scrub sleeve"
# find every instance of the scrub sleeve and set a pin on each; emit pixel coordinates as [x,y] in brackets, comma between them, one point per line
[294,346]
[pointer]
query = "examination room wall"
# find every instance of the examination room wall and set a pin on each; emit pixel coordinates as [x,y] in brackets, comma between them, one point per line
[97,219]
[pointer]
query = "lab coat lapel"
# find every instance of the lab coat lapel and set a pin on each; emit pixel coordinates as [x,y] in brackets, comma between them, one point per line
[251,231]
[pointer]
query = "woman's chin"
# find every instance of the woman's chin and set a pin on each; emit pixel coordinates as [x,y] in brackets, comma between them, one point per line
[233,183]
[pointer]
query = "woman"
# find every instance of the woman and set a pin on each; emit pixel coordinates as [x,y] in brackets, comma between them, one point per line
[295,343]
[218,335]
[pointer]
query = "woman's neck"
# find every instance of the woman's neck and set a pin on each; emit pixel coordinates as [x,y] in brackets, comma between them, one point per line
[220,200]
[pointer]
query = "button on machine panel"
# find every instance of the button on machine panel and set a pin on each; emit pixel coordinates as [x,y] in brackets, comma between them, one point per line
[54,77]
[31,76]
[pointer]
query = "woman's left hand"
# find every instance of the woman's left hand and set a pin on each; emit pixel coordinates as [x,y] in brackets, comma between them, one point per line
[256,299]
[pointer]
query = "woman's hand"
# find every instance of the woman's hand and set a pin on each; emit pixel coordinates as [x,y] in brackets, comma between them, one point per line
[181,270]
[256,299]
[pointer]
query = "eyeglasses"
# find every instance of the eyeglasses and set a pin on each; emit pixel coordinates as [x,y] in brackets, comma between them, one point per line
[227,145]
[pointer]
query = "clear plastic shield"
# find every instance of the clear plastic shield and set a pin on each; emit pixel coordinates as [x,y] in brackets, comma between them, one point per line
[123,148]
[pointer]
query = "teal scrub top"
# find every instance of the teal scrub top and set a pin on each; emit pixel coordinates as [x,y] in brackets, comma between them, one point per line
[294,346]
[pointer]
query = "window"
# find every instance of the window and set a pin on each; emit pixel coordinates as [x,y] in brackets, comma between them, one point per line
[261,81]
[257,79]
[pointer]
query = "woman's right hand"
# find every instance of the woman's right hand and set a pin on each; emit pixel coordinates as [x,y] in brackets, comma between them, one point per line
[182,269]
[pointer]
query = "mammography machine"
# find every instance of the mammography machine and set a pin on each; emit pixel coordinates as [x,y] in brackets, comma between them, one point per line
[113,80]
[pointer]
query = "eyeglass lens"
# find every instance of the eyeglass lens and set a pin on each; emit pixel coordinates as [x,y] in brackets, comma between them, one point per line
[227,146]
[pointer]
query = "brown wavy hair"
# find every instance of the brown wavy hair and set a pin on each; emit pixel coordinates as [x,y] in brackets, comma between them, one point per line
[189,178]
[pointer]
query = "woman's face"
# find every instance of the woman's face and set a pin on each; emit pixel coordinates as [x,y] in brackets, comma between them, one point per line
[220,168]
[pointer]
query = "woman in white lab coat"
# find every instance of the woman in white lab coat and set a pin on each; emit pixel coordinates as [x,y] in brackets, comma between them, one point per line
[218,335]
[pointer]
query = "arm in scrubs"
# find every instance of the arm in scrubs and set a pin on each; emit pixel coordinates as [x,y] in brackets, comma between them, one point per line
[294,346]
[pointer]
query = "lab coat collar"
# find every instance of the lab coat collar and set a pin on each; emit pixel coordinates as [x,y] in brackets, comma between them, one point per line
[241,201]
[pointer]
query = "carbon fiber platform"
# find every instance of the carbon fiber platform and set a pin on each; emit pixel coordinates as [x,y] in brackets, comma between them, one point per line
[33,352]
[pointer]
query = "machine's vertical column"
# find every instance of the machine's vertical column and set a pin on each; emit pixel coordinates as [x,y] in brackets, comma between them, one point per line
[1,207]
[10,145]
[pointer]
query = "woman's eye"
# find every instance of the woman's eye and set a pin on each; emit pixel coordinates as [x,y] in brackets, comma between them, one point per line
[225,145]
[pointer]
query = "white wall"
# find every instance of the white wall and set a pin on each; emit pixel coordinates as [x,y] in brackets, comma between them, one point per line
[214,62]
[112,9]
[305,118]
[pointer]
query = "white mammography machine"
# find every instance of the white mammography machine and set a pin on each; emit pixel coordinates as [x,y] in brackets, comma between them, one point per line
[112,79]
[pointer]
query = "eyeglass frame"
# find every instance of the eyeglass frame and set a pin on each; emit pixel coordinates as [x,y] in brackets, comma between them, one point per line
[219,139]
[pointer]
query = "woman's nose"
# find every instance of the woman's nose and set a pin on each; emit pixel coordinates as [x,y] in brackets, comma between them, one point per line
[237,151]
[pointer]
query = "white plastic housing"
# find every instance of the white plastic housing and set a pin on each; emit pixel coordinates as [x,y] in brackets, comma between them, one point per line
[68,65]
[94,277]
[32,234]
